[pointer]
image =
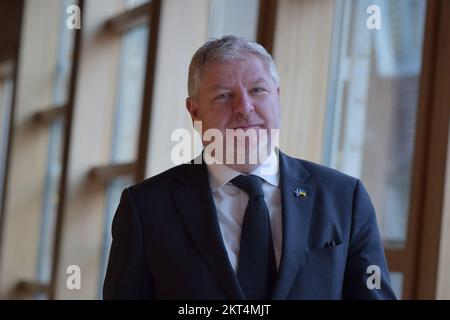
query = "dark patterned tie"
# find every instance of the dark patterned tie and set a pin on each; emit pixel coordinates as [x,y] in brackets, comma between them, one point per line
[256,268]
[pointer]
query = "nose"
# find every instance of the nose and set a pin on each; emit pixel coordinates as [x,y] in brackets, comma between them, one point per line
[243,104]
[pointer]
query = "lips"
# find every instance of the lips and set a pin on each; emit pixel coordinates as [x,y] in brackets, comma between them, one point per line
[248,126]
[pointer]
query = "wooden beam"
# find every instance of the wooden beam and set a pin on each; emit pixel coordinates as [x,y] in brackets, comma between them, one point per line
[109,172]
[397,260]
[266,23]
[6,69]
[130,18]
[27,288]
[57,239]
[438,112]
[147,100]
[8,55]
[47,116]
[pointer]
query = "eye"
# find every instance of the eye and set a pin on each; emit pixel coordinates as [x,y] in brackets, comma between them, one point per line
[222,96]
[258,90]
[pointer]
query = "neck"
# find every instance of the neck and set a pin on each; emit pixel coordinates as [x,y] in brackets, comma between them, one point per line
[247,167]
[243,168]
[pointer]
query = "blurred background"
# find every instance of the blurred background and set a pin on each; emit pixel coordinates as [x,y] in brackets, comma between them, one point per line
[86,112]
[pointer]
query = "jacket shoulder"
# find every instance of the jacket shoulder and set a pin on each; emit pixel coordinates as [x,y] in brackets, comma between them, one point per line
[320,174]
[161,181]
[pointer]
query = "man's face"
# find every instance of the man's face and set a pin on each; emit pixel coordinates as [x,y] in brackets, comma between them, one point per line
[239,94]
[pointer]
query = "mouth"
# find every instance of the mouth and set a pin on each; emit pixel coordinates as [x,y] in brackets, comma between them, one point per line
[248,126]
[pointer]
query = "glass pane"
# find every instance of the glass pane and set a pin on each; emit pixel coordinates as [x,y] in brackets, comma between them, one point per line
[372,105]
[132,66]
[6,93]
[114,190]
[130,4]
[61,82]
[397,283]
[65,54]
[50,204]
[235,17]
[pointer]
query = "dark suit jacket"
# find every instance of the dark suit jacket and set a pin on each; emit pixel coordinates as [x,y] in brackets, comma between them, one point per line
[167,242]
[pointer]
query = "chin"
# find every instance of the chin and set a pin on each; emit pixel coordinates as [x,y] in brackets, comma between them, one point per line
[244,168]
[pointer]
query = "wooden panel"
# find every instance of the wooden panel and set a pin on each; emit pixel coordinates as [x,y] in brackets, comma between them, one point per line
[183,29]
[398,260]
[28,154]
[439,114]
[82,233]
[266,23]
[418,185]
[302,58]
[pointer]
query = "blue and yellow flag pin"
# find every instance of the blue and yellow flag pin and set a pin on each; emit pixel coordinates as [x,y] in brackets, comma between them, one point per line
[300,192]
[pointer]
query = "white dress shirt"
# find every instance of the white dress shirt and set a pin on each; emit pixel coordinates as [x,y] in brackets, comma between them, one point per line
[231,203]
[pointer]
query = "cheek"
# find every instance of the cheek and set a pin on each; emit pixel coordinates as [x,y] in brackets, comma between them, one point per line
[270,112]
[270,108]
[215,117]
[276,109]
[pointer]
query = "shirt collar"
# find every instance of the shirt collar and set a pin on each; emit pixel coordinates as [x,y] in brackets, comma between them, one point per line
[220,174]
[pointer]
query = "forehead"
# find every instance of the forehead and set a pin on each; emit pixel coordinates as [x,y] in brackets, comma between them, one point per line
[248,68]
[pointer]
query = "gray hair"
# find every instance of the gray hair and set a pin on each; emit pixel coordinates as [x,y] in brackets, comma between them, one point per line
[225,49]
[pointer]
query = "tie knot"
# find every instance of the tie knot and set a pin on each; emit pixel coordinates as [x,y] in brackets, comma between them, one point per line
[251,184]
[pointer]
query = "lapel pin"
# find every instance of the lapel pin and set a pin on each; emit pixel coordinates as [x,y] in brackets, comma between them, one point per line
[300,192]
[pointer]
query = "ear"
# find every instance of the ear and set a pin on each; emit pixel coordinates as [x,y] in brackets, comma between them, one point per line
[278,98]
[192,108]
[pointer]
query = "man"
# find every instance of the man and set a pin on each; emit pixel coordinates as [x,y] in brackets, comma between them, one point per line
[223,228]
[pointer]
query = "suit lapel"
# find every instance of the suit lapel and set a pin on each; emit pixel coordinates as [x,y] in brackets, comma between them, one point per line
[296,211]
[195,204]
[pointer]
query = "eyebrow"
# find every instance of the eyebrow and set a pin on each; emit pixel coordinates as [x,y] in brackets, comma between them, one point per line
[259,80]
[225,87]
[219,86]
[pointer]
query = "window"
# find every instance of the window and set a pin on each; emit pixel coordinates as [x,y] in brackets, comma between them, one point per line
[125,138]
[61,82]
[132,101]
[129,95]
[373,114]
[373,103]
